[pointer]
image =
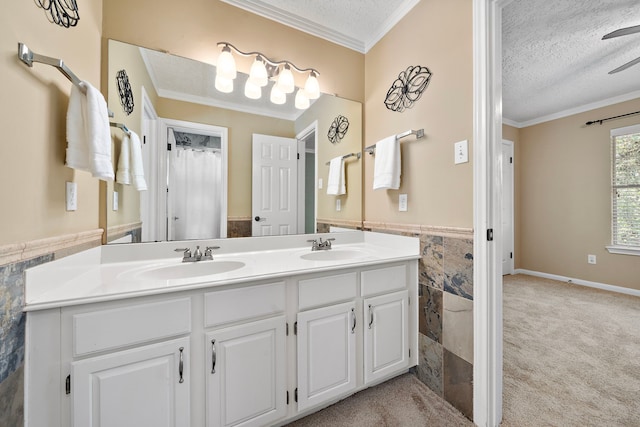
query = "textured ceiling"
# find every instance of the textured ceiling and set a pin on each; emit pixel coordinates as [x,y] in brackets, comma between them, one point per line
[555,61]
[356,24]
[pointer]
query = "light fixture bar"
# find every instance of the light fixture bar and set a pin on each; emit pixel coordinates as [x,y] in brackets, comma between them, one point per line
[267,60]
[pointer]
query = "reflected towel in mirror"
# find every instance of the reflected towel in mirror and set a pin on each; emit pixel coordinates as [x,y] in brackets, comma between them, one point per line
[335,182]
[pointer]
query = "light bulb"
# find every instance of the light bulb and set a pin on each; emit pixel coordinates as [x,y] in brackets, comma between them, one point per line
[258,74]
[224,85]
[285,80]
[302,100]
[226,65]
[251,90]
[277,96]
[312,87]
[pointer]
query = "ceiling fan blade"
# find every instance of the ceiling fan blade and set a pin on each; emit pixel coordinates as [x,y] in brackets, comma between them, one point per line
[625,66]
[622,32]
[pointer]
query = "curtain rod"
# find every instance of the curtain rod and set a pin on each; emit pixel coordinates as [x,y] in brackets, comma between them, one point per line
[592,122]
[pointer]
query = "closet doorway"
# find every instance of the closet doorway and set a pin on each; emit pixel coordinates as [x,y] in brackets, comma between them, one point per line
[196,180]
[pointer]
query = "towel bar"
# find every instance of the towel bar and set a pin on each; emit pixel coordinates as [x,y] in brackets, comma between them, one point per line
[418,133]
[28,56]
[346,156]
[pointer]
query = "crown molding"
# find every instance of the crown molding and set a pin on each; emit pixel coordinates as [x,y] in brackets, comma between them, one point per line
[576,110]
[389,23]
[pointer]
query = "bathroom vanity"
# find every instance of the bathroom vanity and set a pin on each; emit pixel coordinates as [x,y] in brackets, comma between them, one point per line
[267,332]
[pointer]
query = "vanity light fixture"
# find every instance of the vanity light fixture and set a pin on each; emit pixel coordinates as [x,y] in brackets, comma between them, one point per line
[262,70]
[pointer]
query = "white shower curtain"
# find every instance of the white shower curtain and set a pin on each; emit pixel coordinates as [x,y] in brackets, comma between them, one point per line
[194,191]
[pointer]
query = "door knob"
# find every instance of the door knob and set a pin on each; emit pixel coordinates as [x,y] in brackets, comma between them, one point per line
[258,219]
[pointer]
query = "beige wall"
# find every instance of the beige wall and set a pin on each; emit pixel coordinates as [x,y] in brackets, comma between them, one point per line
[33,114]
[565,207]
[241,128]
[438,35]
[127,57]
[193,29]
[325,110]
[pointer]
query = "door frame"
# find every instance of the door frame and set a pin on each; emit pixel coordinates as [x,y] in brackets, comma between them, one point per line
[487,195]
[163,168]
[148,199]
[301,137]
[509,239]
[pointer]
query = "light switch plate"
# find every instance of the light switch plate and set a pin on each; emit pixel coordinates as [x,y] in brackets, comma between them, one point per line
[115,200]
[461,150]
[402,203]
[319,183]
[72,196]
[338,205]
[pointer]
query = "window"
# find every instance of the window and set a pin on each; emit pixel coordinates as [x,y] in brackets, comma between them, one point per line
[625,190]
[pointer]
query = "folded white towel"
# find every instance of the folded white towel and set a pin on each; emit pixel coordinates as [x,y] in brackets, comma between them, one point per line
[335,181]
[123,174]
[88,133]
[137,166]
[386,169]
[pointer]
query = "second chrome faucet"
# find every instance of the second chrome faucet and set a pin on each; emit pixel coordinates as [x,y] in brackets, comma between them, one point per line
[322,245]
[197,254]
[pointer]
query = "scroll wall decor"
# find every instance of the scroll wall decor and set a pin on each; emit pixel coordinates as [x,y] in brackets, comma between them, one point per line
[61,12]
[124,90]
[338,129]
[407,88]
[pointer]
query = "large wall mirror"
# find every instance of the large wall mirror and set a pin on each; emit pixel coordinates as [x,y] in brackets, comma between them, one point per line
[206,155]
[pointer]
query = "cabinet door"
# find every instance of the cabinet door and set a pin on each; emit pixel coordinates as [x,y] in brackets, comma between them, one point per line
[326,353]
[145,386]
[246,374]
[386,337]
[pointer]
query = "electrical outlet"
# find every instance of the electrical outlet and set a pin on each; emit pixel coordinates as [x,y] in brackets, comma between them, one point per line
[115,200]
[461,152]
[402,203]
[591,259]
[72,196]
[338,205]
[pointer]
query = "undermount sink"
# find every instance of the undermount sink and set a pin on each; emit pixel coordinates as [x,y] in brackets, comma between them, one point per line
[189,269]
[333,255]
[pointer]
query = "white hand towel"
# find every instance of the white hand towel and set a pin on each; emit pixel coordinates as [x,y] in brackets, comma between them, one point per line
[386,169]
[123,174]
[88,133]
[137,166]
[335,181]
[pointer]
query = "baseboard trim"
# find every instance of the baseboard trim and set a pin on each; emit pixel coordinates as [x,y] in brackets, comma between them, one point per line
[597,285]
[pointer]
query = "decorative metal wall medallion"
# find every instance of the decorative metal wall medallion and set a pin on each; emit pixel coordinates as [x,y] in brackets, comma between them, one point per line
[124,90]
[338,129]
[61,12]
[407,88]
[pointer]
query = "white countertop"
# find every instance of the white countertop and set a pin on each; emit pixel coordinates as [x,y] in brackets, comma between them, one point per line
[119,271]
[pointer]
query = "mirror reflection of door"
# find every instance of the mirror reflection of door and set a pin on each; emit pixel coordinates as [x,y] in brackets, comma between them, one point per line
[274,189]
[196,182]
[507,207]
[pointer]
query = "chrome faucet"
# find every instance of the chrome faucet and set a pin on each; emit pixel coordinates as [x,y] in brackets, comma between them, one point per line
[197,254]
[322,245]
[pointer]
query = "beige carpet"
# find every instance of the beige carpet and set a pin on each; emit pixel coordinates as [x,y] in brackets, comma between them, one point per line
[401,402]
[571,355]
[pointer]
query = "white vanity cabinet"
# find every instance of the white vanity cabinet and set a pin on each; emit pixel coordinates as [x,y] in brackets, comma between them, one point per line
[386,333]
[259,352]
[246,363]
[137,387]
[129,364]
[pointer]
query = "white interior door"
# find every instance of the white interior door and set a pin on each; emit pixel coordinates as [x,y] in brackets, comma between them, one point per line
[507,207]
[274,191]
